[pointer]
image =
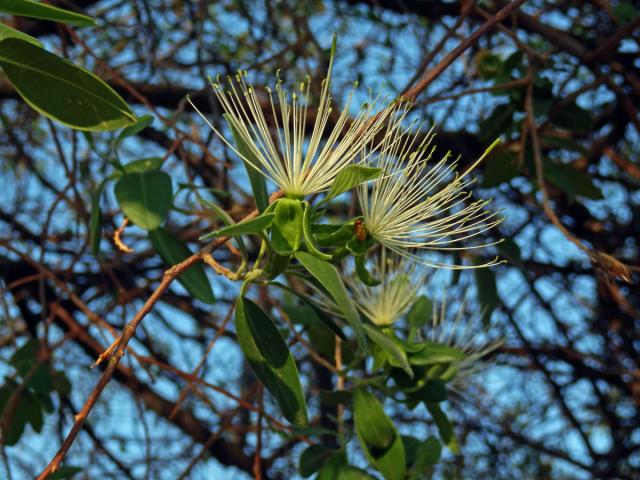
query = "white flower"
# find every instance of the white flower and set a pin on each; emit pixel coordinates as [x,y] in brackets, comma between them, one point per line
[470,337]
[385,304]
[297,166]
[418,204]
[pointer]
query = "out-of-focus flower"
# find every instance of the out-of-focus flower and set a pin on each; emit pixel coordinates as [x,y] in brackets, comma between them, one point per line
[468,336]
[417,204]
[385,304]
[298,166]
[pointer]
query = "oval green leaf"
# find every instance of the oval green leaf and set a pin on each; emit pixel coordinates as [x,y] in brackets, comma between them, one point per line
[329,278]
[248,227]
[379,438]
[8,32]
[172,250]
[145,197]
[270,359]
[29,8]
[61,90]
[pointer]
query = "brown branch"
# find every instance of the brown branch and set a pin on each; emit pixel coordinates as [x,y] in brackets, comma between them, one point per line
[423,82]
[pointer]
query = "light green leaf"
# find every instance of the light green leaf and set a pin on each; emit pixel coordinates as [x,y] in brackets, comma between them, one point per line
[308,233]
[398,357]
[433,353]
[379,438]
[61,90]
[172,251]
[351,177]
[258,185]
[421,312]
[29,8]
[329,278]
[286,231]
[8,32]
[248,227]
[145,197]
[270,359]
[143,122]
[143,164]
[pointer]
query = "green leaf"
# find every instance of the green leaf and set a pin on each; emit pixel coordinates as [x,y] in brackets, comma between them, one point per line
[333,235]
[172,251]
[487,292]
[286,230]
[429,452]
[270,359]
[29,8]
[379,438]
[143,122]
[489,65]
[312,459]
[351,177]
[8,32]
[421,312]
[33,409]
[497,122]
[573,118]
[64,473]
[499,169]
[248,227]
[252,165]
[61,90]
[362,272]
[143,165]
[397,355]
[433,353]
[330,279]
[445,430]
[308,234]
[574,182]
[433,391]
[145,197]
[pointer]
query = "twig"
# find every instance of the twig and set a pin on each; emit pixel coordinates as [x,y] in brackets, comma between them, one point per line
[423,82]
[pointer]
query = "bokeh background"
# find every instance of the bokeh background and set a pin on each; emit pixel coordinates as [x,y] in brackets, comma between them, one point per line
[560,399]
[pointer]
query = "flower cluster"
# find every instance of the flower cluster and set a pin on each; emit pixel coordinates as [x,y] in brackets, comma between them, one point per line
[411,205]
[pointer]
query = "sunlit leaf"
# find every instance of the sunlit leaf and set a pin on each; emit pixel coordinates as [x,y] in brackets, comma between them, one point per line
[61,90]
[42,11]
[145,197]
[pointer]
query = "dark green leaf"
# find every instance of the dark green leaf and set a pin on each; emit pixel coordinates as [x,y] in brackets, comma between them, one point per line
[143,165]
[429,452]
[145,197]
[333,235]
[33,409]
[143,122]
[489,64]
[379,439]
[500,168]
[270,359]
[573,118]
[61,90]
[497,123]
[312,459]
[445,429]
[286,230]
[8,32]
[351,177]
[248,227]
[433,353]
[433,391]
[253,167]
[172,251]
[64,473]
[25,357]
[29,8]
[335,397]
[487,292]
[397,356]
[574,182]
[329,278]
